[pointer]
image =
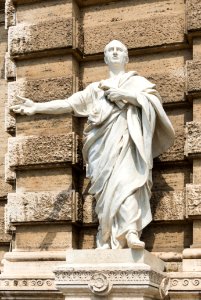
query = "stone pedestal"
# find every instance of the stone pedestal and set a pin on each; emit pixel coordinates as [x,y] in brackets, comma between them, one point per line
[111,274]
[28,275]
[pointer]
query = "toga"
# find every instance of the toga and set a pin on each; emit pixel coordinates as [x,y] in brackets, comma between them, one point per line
[121,140]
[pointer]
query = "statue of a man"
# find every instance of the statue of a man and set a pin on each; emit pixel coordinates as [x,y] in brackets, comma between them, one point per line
[127,128]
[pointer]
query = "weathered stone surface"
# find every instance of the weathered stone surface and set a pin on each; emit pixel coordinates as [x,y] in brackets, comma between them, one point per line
[89,214]
[10,17]
[56,66]
[4,237]
[5,187]
[193,139]
[42,206]
[47,35]
[10,69]
[87,238]
[166,206]
[44,124]
[44,237]
[196,48]
[40,180]
[39,90]
[193,10]
[10,176]
[33,12]
[178,118]
[171,178]
[164,20]
[33,150]
[167,237]
[196,171]
[193,200]
[193,76]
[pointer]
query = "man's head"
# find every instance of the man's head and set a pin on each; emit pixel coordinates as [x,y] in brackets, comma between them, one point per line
[116,53]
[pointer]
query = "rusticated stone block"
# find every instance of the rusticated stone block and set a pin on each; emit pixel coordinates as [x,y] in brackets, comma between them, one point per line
[4,238]
[9,14]
[5,188]
[42,150]
[170,237]
[168,206]
[43,206]
[162,31]
[10,176]
[193,139]
[178,118]
[89,214]
[193,76]
[193,200]
[193,15]
[47,35]
[10,71]
[39,90]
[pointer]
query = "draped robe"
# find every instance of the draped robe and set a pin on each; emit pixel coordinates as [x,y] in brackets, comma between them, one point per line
[121,141]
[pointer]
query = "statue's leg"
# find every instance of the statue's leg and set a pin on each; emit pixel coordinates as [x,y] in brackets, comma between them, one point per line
[127,218]
[99,241]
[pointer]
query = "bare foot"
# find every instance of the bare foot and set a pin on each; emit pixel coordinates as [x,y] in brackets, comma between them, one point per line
[133,240]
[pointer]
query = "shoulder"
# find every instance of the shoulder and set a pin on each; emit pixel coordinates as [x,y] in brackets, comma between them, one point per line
[141,83]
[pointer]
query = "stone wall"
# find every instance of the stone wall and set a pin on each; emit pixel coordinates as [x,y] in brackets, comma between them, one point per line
[55,47]
[5,188]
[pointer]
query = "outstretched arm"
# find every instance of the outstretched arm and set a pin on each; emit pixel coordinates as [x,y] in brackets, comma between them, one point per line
[28,107]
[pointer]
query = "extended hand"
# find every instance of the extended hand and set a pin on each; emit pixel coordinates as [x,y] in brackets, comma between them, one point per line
[28,107]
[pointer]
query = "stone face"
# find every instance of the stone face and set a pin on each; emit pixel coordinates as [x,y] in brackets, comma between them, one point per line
[193,139]
[52,34]
[193,200]
[42,206]
[193,15]
[33,150]
[193,76]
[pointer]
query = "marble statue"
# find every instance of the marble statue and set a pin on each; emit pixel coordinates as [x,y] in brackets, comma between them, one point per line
[127,128]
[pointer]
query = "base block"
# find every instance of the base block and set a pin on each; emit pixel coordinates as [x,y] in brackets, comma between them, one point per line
[111,274]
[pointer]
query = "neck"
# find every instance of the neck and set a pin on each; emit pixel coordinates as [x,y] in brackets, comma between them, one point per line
[114,72]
